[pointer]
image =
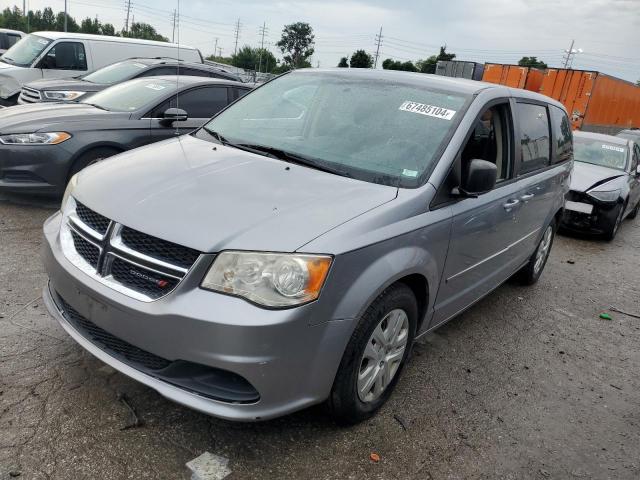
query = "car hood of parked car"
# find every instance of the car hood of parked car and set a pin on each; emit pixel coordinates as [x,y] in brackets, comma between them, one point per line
[66,85]
[586,176]
[211,197]
[36,117]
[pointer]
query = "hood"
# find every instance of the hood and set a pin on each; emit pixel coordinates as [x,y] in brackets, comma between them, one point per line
[66,84]
[12,77]
[210,197]
[585,176]
[36,116]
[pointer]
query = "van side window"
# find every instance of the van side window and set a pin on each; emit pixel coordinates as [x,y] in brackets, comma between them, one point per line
[534,137]
[490,141]
[65,56]
[561,134]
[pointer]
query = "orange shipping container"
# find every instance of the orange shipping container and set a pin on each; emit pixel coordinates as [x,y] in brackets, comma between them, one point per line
[509,75]
[596,102]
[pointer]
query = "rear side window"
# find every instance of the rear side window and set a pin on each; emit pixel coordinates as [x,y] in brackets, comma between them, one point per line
[65,56]
[534,137]
[12,39]
[561,134]
[238,92]
[155,71]
[202,102]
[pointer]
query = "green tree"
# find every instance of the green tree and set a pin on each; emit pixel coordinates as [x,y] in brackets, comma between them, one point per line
[108,29]
[297,44]
[361,59]
[444,56]
[428,65]
[72,25]
[343,63]
[390,64]
[531,62]
[90,26]
[638,83]
[144,31]
[254,58]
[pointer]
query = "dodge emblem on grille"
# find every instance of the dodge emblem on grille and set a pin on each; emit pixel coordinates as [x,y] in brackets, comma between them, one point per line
[160,283]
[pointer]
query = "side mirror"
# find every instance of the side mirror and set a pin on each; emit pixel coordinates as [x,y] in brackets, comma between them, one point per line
[171,115]
[479,178]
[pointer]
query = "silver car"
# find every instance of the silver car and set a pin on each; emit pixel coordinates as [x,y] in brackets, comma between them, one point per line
[290,251]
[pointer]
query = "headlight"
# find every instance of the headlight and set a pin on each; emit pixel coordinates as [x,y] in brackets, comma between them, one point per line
[62,94]
[68,191]
[608,196]
[49,138]
[269,279]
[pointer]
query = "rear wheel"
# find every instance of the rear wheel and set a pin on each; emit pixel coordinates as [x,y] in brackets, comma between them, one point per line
[611,232]
[530,273]
[91,157]
[374,358]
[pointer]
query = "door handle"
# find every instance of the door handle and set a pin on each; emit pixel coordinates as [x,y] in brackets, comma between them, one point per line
[510,204]
[526,197]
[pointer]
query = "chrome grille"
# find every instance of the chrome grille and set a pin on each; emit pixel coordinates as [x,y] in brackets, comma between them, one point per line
[30,95]
[131,262]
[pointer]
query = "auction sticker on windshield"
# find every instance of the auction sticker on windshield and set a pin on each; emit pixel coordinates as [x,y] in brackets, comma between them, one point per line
[429,110]
[611,147]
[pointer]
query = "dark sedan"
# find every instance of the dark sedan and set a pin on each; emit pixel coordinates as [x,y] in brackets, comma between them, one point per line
[70,89]
[42,145]
[605,184]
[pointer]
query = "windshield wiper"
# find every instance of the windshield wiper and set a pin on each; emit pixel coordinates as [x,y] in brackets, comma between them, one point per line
[291,157]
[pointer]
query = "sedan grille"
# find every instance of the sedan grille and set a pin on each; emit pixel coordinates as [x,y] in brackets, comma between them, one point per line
[139,265]
[30,95]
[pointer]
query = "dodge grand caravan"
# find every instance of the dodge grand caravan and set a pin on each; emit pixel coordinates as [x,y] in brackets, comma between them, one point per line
[291,250]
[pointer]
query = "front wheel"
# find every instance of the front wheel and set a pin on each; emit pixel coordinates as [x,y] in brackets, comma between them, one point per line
[530,273]
[374,358]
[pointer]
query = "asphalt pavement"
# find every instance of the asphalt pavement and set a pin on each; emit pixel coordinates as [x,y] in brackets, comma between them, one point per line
[528,383]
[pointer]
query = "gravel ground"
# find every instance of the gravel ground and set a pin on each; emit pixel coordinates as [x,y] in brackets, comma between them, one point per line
[529,383]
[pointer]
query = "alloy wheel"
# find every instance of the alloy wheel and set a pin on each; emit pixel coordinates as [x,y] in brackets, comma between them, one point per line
[543,250]
[383,355]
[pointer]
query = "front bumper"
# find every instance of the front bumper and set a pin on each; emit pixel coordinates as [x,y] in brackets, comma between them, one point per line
[289,356]
[600,220]
[35,169]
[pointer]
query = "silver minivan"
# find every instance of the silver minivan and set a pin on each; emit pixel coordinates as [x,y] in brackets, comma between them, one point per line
[290,251]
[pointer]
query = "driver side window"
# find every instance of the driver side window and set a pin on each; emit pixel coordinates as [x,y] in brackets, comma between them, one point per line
[490,141]
[65,56]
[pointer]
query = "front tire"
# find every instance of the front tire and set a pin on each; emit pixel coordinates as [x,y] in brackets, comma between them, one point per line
[375,356]
[89,158]
[530,273]
[612,231]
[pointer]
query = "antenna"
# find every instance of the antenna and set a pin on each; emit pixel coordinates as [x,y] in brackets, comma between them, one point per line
[178,69]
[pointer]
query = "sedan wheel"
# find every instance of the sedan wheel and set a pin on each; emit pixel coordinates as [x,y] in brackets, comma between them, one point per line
[543,250]
[382,355]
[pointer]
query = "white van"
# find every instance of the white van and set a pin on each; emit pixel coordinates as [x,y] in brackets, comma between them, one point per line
[61,55]
[8,38]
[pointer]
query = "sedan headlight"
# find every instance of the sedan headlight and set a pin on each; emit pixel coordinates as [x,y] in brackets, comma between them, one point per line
[605,196]
[269,279]
[62,94]
[48,138]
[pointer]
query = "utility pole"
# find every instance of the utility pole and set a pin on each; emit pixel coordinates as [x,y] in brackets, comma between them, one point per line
[215,48]
[219,52]
[237,34]
[173,31]
[126,23]
[568,54]
[378,43]
[24,7]
[65,15]
[262,31]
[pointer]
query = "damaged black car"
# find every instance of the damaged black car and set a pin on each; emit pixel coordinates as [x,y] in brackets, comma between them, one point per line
[605,184]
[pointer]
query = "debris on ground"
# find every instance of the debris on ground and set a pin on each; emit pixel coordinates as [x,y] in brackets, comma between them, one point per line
[605,316]
[571,262]
[135,421]
[209,467]
[400,420]
[15,473]
[375,458]
[615,309]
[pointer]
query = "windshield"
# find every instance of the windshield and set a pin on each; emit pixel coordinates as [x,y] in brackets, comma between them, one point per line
[132,95]
[597,152]
[115,73]
[26,50]
[378,130]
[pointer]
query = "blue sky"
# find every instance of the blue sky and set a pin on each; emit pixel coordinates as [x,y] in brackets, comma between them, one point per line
[480,30]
